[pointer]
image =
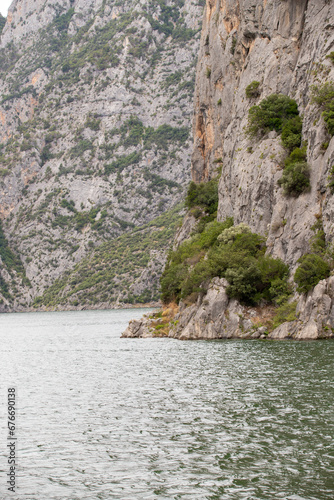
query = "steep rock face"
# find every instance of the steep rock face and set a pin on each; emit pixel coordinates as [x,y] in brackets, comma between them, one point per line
[215,316]
[95,114]
[283,46]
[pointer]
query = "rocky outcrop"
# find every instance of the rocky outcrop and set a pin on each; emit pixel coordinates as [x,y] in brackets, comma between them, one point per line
[215,316]
[139,329]
[282,45]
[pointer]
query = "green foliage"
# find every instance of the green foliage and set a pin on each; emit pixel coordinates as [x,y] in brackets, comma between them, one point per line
[93,122]
[233,45]
[170,22]
[296,174]
[46,154]
[157,183]
[292,133]
[221,251]
[298,155]
[177,280]
[252,90]
[62,22]
[323,96]
[295,179]
[230,234]
[331,57]
[2,23]
[311,270]
[165,135]
[318,241]
[11,262]
[286,312]
[122,162]
[8,257]
[82,146]
[110,268]
[204,195]
[271,114]
[133,133]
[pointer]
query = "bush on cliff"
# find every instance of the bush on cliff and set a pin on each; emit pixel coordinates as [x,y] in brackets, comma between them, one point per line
[323,96]
[295,179]
[271,114]
[292,133]
[226,252]
[312,269]
[252,90]
[296,174]
[204,195]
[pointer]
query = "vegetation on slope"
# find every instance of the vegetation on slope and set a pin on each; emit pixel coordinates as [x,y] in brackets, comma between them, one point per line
[109,271]
[323,96]
[219,249]
[280,113]
[13,265]
[317,264]
[2,23]
[134,152]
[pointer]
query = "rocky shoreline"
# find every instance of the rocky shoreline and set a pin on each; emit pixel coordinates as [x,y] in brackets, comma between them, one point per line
[215,316]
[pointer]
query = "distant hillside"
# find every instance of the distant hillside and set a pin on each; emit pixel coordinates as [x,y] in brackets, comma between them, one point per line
[95,122]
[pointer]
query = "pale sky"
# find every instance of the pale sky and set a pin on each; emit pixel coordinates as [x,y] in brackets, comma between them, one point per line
[4,4]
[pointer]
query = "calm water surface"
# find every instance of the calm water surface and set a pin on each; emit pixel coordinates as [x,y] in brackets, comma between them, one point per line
[101,417]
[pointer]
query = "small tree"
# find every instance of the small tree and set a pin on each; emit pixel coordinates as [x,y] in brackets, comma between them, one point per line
[312,269]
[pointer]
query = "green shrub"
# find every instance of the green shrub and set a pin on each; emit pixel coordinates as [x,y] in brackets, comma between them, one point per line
[252,90]
[271,114]
[176,277]
[323,96]
[233,46]
[286,312]
[243,282]
[292,133]
[295,179]
[298,155]
[318,240]
[8,257]
[312,269]
[122,162]
[93,122]
[230,234]
[238,256]
[331,57]
[204,195]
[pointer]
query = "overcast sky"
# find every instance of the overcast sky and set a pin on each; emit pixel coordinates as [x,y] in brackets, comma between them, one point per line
[4,4]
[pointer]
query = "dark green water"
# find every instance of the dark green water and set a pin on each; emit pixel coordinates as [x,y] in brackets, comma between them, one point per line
[107,418]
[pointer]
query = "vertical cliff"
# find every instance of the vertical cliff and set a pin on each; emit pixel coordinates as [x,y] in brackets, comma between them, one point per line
[282,45]
[250,50]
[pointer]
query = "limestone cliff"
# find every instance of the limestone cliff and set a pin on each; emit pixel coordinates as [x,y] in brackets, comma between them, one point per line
[95,115]
[283,45]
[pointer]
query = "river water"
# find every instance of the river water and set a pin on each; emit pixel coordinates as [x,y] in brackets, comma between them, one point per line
[99,417]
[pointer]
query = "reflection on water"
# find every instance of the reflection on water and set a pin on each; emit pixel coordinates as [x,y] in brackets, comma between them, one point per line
[107,418]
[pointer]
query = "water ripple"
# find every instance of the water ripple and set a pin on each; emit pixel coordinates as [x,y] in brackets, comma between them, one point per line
[101,417]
